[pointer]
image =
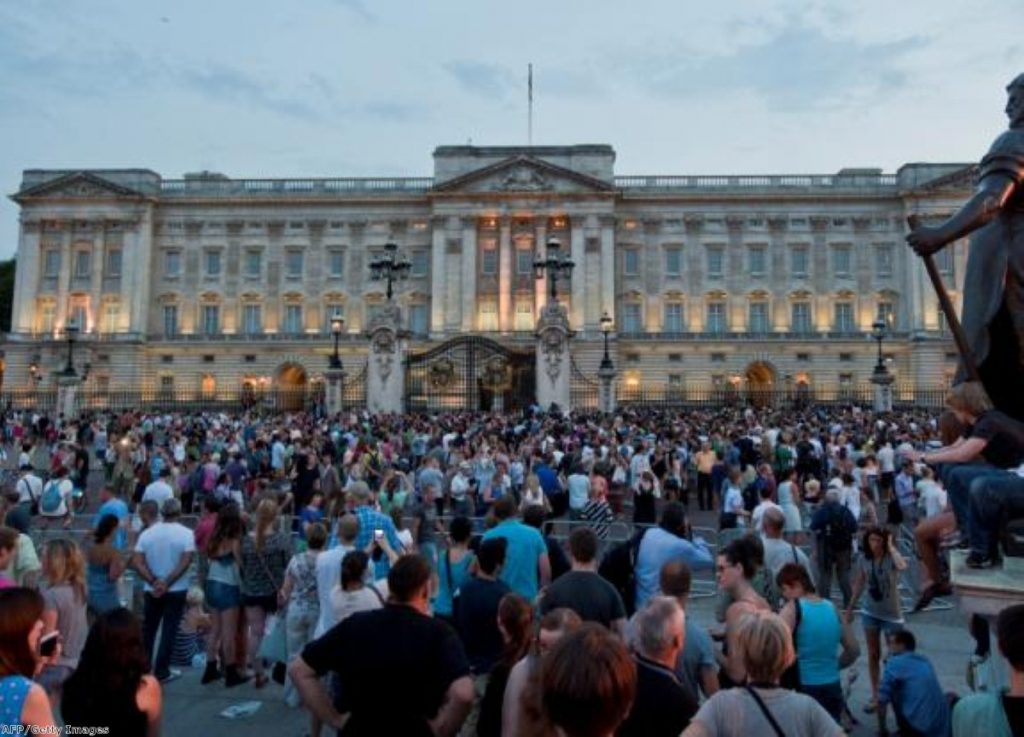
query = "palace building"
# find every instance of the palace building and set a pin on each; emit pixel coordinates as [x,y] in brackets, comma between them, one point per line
[206,284]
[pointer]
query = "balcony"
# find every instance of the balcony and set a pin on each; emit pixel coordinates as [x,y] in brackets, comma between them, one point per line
[753,183]
[256,188]
[754,336]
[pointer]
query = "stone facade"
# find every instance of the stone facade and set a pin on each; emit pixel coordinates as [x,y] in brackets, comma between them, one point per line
[207,282]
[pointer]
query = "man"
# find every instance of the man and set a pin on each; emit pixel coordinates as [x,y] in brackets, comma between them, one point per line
[582,589]
[705,459]
[462,501]
[24,568]
[696,667]
[777,551]
[328,570]
[578,485]
[159,491]
[370,521]
[906,493]
[163,554]
[476,617]
[527,568]
[991,713]
[668,541]
[29,488]
[112,504]
[764,504]
[535,516]
[834,528]
[909,683]
[663,706]
[375,655]
[55,502]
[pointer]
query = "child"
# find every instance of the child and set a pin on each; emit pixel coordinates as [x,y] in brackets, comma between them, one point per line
[195,623]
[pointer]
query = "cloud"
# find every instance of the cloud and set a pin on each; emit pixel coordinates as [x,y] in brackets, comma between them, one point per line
[483,79]
[222,82]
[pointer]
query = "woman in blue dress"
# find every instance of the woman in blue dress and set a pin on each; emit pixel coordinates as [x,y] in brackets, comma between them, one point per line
[23,704]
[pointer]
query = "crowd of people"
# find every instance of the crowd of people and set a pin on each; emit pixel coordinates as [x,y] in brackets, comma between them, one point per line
[400,574]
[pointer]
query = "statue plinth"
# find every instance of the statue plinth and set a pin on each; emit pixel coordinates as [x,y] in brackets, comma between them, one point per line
[385,369]
[606,377]
[553,360]
[335,395]
[883,390]
[68,394]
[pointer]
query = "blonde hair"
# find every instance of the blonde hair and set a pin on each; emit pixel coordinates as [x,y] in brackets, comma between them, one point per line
[969,397]
[533,482]
[64,564]
[765,643]
[266,516]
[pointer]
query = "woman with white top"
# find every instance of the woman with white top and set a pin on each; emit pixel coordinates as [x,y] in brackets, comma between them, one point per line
[789,500]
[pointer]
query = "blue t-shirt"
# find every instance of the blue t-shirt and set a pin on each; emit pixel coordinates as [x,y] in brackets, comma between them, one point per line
[548,479]
[308,516]
[909,683]
[817,640]
[525,547]
[119,509]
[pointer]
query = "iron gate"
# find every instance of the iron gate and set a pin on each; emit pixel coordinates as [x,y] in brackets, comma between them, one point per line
[470,373]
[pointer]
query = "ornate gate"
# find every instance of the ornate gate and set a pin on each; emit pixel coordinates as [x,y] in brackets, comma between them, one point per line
[470,373]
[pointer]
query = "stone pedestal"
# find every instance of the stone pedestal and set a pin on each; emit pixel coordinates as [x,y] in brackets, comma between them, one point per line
[385,370]
[883,390]
[554,364]
[606,397]
[335,397]
[68,395]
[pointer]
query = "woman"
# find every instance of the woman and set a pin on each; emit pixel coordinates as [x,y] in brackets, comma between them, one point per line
[353,594]
[762,706]
[104,567]
[24,703]
[734,514]
[534,495]
[515,616]
[453,568]
[224,597]
[403,532]
[64,610]
[299,597]
[818,632]
[111,685]
[644,495]
[789,500]
[8,548]
[878,568]
[265,554]
[735,568]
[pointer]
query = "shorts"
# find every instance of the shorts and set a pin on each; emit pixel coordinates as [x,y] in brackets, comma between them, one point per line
[884,625]
[222,596]
[267,603]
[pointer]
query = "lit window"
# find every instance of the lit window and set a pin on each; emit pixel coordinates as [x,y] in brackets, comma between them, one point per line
[758,317]
[523,316]
[631,321]
[111,317]
[716,317]
[488,316]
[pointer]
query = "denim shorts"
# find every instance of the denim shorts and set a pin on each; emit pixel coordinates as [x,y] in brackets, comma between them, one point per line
[883,625]
[221,596]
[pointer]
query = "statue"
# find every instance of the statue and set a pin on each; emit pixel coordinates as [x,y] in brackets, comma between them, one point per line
[993,307]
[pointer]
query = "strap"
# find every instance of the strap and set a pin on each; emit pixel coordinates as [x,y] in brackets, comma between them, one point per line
[795,559]
[765,711]
[29,487]
[374,589]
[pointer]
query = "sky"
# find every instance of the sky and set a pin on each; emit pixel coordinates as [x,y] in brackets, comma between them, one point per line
[254,88]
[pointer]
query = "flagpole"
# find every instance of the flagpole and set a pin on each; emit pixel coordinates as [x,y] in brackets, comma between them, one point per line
[529,105]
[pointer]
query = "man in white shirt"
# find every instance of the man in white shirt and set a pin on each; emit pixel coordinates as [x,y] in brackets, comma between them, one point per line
[29,486]
[54,510]
[328,571]
[163,554]
[931,498]
[159,491]
[766,503]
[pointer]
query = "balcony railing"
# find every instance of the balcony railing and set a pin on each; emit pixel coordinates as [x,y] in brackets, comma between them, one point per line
[748,336]
[757,182]
[262,187]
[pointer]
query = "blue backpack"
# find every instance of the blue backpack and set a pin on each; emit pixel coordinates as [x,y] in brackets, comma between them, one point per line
[51,498]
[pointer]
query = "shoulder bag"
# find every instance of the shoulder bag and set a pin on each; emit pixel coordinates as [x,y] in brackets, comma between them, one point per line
[764,710]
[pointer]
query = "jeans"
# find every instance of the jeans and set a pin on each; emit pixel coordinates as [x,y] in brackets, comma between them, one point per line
[830,696]
[991,499]
[839,562]
[957,479]
[162,613]
[704,496]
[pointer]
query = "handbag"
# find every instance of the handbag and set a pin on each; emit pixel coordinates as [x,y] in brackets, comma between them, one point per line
[274,648]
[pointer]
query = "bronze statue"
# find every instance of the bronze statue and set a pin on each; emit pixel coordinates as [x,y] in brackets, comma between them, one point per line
[993,307]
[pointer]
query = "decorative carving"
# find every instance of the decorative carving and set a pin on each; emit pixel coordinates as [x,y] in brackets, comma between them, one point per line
[522,178]
[275,228]
[553,331]
[734,222]
[497,374]
[777,223]
[861,222]
[441,373]
[235,227]
[193,227]
[819,222]
[694,223]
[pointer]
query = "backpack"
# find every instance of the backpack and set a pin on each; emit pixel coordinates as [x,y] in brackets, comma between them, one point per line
[619,569]
[51,498]
[838,533]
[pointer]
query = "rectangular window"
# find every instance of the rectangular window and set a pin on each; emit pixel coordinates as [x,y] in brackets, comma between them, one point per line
[674,261]
[631,262]
[798,261]
[336,264]
[47,317]
[420,263]
[673,317]
[252,319]
[213,263]
[114,263]
[372,310]
[78,318]
[330,310]
[419,319]
[294,262]
[111,317]
[489,261]
[488,316]
[841,260]
[51,263]
[172,263]
[170,320]
[716,257]
[211,319]
[293,319]
[253,264]
[756,260]
[523,316]
[524,263]
[801,317]
[843,322]
[758,317]
[887,311]
[167,384]
[83,262]
[716,317]
[631,322]
[883,260]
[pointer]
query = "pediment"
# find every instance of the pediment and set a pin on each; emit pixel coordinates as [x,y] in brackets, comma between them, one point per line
[80,185]
[956,181]
[524,174]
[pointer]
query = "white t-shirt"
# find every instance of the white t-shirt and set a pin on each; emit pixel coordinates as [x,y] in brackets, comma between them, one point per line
[757,518]
[886,459]
[158,491]
[66,488]
[29,486]
[163,545]
[931,497]
[328,575]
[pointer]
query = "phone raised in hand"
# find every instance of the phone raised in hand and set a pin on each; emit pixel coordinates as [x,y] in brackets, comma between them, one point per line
[48,644]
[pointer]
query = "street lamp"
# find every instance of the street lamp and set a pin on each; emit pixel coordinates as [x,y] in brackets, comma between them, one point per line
[390,267]
[553,264]
[878,331]
[71,329]
[337,323]
[606,328]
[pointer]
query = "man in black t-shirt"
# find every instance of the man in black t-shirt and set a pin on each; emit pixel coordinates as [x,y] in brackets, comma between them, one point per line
[583,589]
[476,616]
[399,671]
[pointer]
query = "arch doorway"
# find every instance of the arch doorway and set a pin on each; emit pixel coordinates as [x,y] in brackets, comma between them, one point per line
[291,383]
[760,381]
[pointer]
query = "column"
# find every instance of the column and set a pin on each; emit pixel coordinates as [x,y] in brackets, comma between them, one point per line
[608,265]
[99,257]
[505,307]
[577,246]
[653,271]
[139,239]
[64,278]
[26,278]
[469,274]
[438,275]
[540,295]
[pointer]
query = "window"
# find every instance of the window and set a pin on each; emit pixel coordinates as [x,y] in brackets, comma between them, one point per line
[83,263]
[78,317]
[673,317]
[330,310]
[801,317]
[758,322]
[673,261]
[170,320]
[293,319]
[111,317]
[883,260]
[172,263]
[843,322]
[419,319]
[631,322]
[336,264]
[489,261]
[716,256]
[114,263]
[372,310]
[420,263]
[675,382]
[841,260]
[169,358]
[716,317]
[631,262]
[167,384]
[756,260]
[524,263]
[252,319]
[798,261]
[294,262]
[213,263]
[51,263]
[887,311]
[47,317]
[211,319]
[488,316]
[523,316]
[253,264]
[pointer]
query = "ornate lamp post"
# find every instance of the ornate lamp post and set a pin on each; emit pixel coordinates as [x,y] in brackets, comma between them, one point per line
[337,324]
[606,328]
[606,372]
[553,264]
[878,330]
[390,267]
[70,330]
[881,377]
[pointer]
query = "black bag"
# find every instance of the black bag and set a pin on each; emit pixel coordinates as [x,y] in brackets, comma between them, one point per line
[838,532]
[894,513]
[618,567]
[727,521]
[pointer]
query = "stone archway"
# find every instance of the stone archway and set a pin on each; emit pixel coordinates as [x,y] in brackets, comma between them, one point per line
[760,382]
[290,385]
